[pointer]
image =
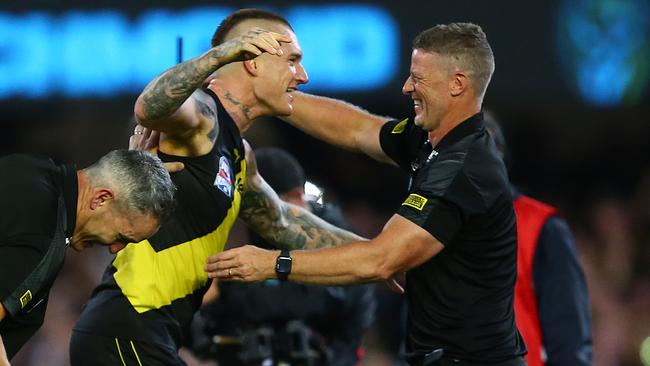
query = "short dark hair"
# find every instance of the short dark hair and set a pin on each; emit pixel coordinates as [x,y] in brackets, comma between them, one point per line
[143,184]
[466,44]
[239,16]
[279,169]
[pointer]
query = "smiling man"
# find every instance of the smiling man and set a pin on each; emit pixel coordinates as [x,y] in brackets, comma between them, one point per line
[149,294]
[454,234]
[120,199]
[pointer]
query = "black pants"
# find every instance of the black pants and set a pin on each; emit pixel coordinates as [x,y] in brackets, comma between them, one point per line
[94,350]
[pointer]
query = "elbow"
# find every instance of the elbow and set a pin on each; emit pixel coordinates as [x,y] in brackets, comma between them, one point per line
[139,112]
[376,272]
[383,273]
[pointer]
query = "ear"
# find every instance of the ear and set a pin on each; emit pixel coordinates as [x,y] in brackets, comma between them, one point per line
[252,66]
[459,83]
[100,197]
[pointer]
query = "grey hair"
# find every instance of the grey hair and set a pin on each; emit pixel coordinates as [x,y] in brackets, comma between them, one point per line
[140,180]
[466,44]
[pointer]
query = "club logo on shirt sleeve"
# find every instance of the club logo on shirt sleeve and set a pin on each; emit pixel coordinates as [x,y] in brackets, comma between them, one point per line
[400,127]
[26,298]
[224,180]
[416,201]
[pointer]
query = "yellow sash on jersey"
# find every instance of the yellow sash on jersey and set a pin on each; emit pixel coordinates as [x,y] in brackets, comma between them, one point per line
[151,280]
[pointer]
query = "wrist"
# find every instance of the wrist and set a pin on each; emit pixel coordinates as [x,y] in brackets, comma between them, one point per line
[283,265]
[213,57]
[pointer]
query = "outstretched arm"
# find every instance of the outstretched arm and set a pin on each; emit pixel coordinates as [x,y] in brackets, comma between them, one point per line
[339,123]
[281,223]
[165,103]
[401,246]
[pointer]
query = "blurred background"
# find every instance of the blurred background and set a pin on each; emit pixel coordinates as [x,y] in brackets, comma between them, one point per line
[571,88]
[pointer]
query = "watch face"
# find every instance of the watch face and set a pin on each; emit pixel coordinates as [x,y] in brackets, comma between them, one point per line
[283,265]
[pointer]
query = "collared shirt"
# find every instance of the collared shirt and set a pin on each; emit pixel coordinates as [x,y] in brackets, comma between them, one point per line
[461,300]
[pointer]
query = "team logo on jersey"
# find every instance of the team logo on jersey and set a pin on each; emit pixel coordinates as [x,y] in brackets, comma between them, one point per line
[416,201]
[400,127]
[27,297]
[223,180]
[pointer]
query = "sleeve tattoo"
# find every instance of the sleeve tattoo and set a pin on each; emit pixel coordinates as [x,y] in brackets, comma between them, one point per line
[165,94]
[286,225]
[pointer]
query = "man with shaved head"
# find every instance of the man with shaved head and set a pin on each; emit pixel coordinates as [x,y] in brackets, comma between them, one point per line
[148,295]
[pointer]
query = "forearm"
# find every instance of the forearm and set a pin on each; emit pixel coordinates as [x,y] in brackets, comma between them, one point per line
[358,262]
[289,226]
[334,121]
[165,94]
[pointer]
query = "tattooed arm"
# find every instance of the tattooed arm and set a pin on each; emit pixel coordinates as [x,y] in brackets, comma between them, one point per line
[286,225]
[172,104]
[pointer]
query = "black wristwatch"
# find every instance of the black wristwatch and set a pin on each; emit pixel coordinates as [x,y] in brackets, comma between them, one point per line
[283,265]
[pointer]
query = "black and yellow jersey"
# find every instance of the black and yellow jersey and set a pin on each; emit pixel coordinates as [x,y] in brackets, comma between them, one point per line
[151,289]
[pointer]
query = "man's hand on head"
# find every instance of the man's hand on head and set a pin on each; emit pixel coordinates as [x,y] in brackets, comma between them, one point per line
[250,45]
[147,139]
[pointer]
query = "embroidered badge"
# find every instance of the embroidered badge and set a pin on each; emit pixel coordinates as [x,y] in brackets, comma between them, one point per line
[26,298]
[400,127]
[416,201]
[223,180]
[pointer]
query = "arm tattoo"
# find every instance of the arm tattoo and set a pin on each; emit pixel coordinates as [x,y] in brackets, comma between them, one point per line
[165,94]
[206,107]
[285,225]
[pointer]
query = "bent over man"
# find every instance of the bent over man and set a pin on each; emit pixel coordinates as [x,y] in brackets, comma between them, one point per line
[120,199]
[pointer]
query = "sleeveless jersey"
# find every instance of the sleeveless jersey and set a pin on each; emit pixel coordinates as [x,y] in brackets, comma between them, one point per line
[151,289]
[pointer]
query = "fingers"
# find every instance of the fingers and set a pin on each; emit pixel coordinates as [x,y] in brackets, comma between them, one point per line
[247,263]
[175,166]
[267,41]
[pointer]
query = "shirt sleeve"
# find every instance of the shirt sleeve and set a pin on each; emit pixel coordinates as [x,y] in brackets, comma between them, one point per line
[18,259]
[562,297]
[397,141]
[440,217]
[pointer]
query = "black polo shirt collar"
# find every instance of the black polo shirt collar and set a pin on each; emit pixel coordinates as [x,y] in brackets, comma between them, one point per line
[469,126]
[70,193]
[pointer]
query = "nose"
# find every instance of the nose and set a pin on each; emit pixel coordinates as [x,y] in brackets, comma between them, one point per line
[407,88]
[301,74]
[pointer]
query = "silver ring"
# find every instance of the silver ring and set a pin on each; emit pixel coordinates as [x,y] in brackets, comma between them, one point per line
[138,132]
[229,272]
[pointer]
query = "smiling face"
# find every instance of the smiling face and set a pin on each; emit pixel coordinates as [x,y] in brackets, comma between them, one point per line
[109,226]
[428,85]
[279,76]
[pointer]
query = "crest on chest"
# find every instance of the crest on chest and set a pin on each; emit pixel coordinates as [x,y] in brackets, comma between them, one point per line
[224,177]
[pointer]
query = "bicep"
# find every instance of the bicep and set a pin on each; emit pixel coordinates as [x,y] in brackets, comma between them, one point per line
[187,117]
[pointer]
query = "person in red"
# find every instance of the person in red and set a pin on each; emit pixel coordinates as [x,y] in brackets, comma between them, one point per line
[551,299]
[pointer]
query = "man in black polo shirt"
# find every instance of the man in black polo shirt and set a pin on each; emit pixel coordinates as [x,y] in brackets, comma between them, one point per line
[47,207]
[455,233]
